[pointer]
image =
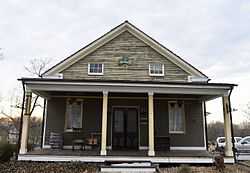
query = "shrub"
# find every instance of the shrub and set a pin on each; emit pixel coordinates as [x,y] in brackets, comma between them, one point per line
[6,151]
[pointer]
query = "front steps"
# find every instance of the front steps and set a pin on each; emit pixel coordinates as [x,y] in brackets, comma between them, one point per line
[135,167]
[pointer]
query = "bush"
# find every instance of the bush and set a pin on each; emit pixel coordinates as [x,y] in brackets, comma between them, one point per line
[6,151]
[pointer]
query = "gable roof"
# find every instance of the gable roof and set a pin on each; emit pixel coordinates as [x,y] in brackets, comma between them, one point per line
[126,26]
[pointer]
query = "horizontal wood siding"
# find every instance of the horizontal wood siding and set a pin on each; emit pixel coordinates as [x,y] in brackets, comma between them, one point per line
[92,112]
[126,44]
[92,117]
[55,117]
[194,135]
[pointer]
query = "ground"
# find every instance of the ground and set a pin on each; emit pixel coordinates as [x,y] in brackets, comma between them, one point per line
[75,167]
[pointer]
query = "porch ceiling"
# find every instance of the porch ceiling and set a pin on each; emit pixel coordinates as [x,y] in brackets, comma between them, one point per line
[53,87]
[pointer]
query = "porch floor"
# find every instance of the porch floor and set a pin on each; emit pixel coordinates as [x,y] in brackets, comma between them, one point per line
[173,156]
[172,153]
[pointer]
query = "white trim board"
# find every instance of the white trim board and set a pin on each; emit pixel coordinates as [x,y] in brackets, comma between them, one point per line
[187,148]
[43,86]
[45,123]
[54,158]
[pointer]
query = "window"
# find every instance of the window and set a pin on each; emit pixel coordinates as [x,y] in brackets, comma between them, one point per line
[95,69]
[176,117]
[156,70]
[73,114]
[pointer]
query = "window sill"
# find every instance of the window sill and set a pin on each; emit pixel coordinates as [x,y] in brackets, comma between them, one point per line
[153,75]
[178,133]
[95,74]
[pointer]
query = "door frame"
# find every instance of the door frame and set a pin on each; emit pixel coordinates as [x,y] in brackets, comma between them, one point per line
[138,123]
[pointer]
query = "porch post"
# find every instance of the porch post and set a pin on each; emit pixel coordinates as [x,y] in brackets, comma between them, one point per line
[227,126]
[25,127]
[151,151]
[104,124]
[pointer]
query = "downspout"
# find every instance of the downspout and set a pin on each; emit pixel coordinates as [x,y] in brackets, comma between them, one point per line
[231,122]
[21,120]
[44,105]
[205,114]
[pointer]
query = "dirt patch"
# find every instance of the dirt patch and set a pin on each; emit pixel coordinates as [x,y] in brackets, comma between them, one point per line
[46,167]
[80,167]
[230,168]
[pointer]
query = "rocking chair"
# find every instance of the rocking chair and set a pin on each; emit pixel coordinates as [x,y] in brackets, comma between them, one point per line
[78,138]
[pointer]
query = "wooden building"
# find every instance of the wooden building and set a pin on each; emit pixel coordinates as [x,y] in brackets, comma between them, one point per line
[137,99]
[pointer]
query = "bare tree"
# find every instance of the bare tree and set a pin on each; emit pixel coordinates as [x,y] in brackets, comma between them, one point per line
[1,54]
[36,67]
[214,130]
[247,111]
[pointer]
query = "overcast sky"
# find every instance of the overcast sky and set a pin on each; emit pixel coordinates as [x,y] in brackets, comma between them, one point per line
[212,35]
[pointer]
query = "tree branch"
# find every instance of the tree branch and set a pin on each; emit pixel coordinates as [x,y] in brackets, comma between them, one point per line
[34,105]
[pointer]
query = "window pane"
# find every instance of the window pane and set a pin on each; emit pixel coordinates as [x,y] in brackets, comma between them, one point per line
[156,69]
[95,68]
[74,117]
[176,118]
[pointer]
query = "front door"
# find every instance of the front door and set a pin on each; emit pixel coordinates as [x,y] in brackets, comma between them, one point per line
[125,128]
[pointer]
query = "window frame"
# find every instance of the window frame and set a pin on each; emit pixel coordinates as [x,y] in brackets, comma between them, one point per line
[66,115]
[152,74]
[184,119]
[90,73]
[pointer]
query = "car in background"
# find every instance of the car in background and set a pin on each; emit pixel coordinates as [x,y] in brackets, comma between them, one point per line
[243,145]
[221,141]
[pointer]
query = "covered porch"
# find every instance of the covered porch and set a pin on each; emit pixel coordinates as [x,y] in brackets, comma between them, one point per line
[148,101]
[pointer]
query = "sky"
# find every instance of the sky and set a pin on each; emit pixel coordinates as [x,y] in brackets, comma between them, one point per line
[212,35]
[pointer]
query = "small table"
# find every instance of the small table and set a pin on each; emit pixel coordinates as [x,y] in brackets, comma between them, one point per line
[92,142]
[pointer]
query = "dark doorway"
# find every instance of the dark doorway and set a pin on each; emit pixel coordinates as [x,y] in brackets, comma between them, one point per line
[125,128]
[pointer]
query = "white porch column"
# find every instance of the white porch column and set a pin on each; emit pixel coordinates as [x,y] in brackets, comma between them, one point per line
[227,126]
[25,126]
[104,124]
[151,150]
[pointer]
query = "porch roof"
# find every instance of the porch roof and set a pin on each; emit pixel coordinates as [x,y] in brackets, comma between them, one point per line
[44,87]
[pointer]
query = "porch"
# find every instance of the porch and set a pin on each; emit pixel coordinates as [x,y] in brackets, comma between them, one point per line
[140,111]
[173,156]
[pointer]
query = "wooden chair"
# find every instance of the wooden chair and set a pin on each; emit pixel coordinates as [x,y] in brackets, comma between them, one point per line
[78,138]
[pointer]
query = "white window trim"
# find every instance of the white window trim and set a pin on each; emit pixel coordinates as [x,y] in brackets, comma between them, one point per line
[65,118]
[184,120]
[149,71]
[95,73]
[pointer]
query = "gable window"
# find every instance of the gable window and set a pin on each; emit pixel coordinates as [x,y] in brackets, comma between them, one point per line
[156,70]
[73,114]
[176,117]
[95,69]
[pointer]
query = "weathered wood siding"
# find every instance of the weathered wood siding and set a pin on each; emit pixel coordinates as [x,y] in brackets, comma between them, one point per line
[126,44]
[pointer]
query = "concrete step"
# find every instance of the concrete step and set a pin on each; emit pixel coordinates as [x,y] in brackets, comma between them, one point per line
[135,167]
